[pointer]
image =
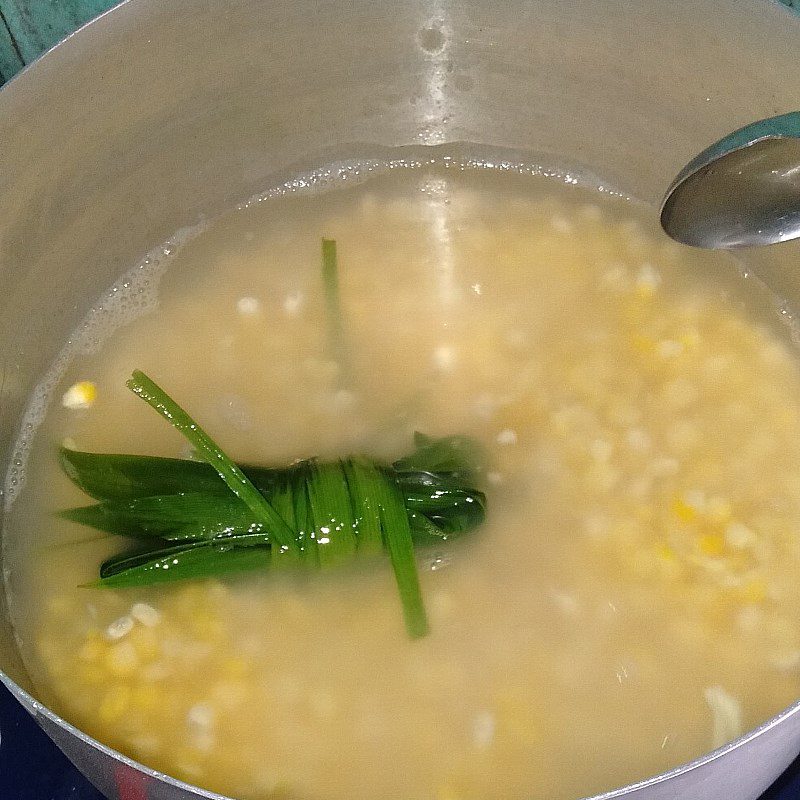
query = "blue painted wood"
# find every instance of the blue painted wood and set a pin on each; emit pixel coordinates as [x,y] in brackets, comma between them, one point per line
[29,27]
[10,57]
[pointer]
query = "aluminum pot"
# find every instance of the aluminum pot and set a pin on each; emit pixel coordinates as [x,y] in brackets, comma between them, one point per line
[158,114]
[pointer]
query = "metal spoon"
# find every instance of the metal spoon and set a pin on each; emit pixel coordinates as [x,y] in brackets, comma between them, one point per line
[743,191]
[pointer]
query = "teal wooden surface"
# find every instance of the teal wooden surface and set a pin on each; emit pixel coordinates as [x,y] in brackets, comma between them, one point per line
[29,27]
[10,58]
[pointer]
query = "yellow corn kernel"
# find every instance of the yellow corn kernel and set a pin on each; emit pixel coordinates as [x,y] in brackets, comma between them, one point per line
[235,667]
[643,344]
[665,552]
[114,704]
[80,395]
[755,591]
[121,660]
[144,698]
[645,291]
[689,339]
[91,674]
[683,511]
[206,624]
[712,544]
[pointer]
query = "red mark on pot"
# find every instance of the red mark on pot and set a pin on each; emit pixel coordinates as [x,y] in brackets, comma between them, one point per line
[131,784]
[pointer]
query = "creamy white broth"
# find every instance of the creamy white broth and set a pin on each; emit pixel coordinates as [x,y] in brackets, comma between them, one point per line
[631,600]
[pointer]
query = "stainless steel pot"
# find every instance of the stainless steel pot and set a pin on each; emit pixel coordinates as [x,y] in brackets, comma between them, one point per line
[157,114]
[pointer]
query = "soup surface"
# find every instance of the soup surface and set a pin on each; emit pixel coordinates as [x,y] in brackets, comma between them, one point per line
[633,597]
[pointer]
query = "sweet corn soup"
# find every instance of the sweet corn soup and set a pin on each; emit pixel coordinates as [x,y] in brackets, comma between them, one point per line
[631,600]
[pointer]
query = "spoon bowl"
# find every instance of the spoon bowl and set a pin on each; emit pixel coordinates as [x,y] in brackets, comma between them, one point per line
[743,191]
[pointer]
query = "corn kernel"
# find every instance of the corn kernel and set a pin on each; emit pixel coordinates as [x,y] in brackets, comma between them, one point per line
[91,674]
[119,628]
[235,667]
[207,625]
[665,552]
[683,511]
[645,291]
[144,698]
[114,704]
[690,339]
[200,717]
[643,344]
[712,544]
[755,591]
[146,614]
[80,395]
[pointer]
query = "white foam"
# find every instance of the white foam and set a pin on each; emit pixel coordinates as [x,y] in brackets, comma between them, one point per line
[133,295]
[338,172]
